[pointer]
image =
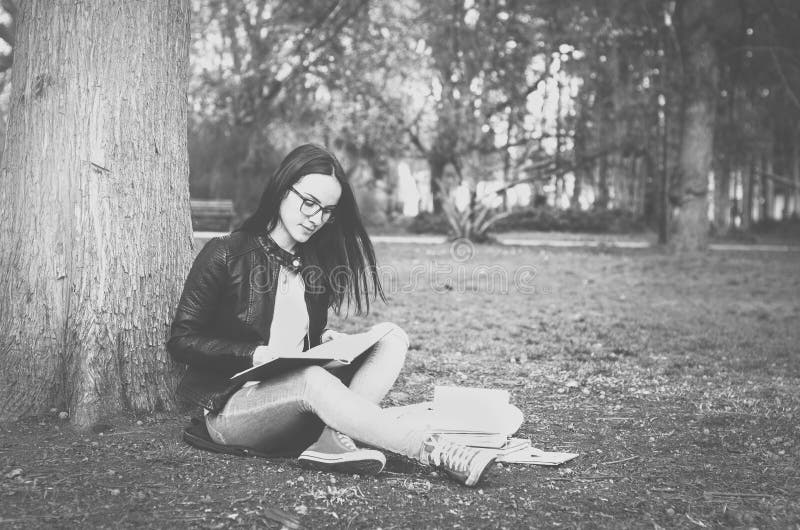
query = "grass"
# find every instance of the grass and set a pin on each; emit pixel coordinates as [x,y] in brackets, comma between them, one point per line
[675,379]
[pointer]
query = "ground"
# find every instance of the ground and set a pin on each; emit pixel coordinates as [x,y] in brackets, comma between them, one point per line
[676,379]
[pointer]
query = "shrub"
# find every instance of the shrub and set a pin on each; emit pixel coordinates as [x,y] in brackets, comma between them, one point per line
[544,219]
[547,218]
[429,223]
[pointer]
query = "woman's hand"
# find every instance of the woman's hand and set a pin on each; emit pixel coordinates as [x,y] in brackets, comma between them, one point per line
[329,335]
[263,354]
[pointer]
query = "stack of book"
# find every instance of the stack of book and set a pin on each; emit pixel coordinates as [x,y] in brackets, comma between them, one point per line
[481,417]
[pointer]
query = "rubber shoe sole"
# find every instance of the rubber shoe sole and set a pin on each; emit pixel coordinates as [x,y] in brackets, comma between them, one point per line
[478,470]
[362,462]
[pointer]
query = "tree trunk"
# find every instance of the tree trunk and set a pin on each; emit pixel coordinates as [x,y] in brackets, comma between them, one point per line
[580,146]
[795,210]
[736,200]
[664,184]
[722,196]
[575,199]
[601,200]
[748,176]
[257,159]
[699,111]
[767,189]
[649,188]
[436,165]
[95,229]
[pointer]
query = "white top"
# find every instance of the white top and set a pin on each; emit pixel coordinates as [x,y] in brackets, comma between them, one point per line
[289,326]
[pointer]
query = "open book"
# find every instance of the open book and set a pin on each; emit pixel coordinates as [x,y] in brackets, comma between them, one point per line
[520,451]
[337,352]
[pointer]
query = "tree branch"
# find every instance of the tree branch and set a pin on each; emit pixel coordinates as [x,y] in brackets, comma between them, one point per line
[244,19]
[6,61]
[229,30]
[302,53]
[786,85]
[10,6]
[7,34]
[309,34]
[547,164]
[412,134]
[779,69]
[777,178]
[416,141]
[528,91]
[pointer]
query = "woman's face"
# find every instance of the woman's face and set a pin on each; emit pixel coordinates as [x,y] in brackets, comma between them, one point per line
[319,192]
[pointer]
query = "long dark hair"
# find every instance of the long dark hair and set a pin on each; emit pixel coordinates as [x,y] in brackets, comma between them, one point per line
[339,257]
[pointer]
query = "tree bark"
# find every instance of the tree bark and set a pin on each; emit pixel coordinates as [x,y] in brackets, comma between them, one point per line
[691,224]
[767,188]
[795,194]
[748,177]
[436,165]
[664,184]
[722,199]
[95,229]
[575,198]
[581,137]
[602,197]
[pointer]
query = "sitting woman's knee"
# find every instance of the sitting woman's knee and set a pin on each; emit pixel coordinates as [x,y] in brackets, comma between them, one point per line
[397,335]
[315,375]
[316,383]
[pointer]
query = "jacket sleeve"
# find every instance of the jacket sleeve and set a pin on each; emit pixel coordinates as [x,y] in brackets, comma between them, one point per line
[189,342]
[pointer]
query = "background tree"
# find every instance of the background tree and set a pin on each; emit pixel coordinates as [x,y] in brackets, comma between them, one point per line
[701,76]
[94,216]
[257,66]
[8,30]
[594,103]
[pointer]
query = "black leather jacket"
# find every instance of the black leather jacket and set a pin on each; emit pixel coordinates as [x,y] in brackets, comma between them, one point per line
[225,312]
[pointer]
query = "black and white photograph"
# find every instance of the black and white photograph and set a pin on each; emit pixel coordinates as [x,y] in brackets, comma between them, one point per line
[400,264]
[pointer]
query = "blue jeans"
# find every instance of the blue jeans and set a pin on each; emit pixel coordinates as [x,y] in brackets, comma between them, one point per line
[287,413]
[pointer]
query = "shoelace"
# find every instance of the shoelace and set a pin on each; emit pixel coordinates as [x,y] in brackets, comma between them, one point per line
[346,441]
[451,455]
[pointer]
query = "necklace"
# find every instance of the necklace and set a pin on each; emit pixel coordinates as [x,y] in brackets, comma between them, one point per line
[289,260]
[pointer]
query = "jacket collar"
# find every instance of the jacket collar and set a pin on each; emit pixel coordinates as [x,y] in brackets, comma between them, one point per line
[291,261]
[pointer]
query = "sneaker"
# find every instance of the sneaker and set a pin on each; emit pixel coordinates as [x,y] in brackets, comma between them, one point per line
[463,464]
[335,451]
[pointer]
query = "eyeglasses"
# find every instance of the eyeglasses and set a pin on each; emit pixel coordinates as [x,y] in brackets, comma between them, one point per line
[310,207]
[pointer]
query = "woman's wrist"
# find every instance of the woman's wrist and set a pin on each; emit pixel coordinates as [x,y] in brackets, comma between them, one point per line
[329,334]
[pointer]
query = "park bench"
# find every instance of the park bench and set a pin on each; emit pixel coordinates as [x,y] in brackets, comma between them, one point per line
[212,215]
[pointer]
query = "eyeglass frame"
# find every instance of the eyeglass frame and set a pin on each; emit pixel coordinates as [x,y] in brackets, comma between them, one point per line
[330,211]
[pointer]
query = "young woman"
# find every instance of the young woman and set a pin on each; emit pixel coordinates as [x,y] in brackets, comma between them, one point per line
[265,290]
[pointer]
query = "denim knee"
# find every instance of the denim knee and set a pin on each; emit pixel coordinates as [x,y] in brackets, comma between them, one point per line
[397,335]
[316,382]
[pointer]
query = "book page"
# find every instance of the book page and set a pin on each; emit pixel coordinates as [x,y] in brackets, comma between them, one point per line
[347,347]
[469,409]
[498,420]
[336,352]
[531,455]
